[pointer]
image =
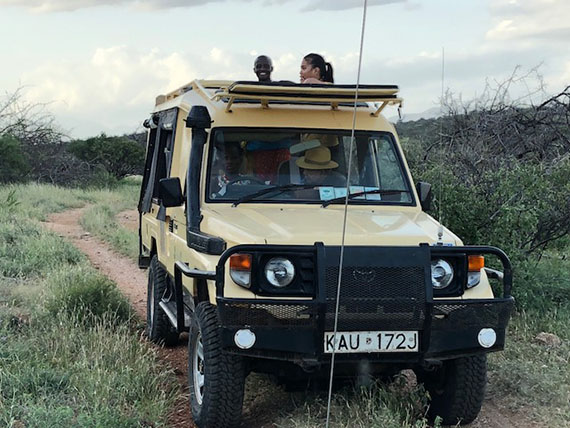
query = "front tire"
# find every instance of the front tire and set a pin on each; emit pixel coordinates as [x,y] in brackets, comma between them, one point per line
[216,379]
[456,389]
[158,327]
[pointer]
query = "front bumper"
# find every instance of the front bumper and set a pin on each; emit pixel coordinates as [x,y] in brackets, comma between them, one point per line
[382,289]
[294,330]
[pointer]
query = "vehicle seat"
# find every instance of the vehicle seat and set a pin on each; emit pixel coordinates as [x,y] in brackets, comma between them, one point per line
[266,163]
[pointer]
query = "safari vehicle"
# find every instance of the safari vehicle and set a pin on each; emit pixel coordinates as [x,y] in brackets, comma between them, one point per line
[242,228]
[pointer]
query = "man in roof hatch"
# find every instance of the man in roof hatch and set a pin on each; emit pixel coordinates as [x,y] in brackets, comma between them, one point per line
[262,67]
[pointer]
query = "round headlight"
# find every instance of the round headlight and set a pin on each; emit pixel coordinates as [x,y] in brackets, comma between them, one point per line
[279,272]
[441,274]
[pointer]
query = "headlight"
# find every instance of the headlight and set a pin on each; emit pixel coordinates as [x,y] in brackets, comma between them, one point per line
[279,272]
[441,274]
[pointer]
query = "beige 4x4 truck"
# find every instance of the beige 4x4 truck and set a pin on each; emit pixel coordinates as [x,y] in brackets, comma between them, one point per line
[241,225]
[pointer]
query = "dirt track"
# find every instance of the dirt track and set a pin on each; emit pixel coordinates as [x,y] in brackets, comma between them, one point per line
[259,404]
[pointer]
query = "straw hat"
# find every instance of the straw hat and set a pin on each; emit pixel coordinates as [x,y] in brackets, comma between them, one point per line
[317,158]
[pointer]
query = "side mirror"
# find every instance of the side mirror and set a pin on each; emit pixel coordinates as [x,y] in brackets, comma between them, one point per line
[424,192]
[170,192]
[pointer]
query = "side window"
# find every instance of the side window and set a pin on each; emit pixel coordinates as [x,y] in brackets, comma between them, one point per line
[164,158]
[391,175]
[158,161]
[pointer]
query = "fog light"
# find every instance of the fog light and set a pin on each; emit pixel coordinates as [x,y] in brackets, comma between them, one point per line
[487,337]
[244,338]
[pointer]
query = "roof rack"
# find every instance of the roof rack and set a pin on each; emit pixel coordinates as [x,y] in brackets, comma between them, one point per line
[289,92]
[334,95]
[200,85]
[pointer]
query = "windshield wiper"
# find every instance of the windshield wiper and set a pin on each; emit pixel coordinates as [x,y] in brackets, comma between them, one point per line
[366,192]
[279,189]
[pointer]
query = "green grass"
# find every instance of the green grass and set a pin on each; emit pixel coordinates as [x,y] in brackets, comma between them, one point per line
[395,405]
[529,373]
[63,327]
[100,221]
[36,201]
[70,348]
[26,249]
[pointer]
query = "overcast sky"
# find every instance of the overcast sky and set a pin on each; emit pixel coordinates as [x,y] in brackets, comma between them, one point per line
[100,63]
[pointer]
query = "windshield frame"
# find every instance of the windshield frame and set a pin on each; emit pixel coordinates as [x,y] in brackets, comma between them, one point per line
[364,202]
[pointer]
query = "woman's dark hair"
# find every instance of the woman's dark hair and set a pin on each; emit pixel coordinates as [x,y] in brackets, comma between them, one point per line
[325,67]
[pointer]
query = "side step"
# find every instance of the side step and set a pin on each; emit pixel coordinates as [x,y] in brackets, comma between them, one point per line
[169,309]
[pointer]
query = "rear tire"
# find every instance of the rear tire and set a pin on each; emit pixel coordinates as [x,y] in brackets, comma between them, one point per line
[216,379]
[158,327]
[456,389]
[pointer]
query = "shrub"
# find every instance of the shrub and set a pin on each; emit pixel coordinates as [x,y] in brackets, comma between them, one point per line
[13,163]
[82,291]
[120,156]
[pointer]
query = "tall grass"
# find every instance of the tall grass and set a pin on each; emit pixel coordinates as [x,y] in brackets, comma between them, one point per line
[70,353]
[395,405]
[529,372]
[70,356]
[27,250]
[100,221]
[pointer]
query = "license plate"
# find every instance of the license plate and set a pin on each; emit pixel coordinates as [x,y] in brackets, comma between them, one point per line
[371,341]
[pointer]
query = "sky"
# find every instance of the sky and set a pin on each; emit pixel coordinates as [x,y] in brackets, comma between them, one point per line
[99,64]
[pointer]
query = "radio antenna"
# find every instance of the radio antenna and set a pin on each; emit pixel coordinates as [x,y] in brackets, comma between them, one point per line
[440,201]
[341,261]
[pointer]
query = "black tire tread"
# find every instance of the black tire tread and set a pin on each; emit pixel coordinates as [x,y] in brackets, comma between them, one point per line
[159,330]
[463,390]
[224,381]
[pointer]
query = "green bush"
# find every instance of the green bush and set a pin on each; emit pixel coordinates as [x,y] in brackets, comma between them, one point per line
[119,156]
[13,163]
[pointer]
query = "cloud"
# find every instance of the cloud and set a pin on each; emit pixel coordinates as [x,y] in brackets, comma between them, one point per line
[114,90]
[344,4]
[47,6]
[536,20]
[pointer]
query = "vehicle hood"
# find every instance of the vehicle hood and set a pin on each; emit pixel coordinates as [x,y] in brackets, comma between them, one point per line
[307,224]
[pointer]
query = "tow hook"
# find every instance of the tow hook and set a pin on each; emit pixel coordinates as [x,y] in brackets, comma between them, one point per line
[431,365]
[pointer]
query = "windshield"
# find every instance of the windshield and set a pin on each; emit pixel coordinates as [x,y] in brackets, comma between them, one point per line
[311,166]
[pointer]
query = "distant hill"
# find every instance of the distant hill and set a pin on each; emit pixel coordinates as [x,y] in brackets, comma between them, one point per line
[430,113]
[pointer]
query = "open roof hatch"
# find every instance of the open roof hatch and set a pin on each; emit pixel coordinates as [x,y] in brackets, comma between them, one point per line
[335,95]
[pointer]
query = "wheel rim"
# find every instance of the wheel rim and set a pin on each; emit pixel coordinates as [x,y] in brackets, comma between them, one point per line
[198,369]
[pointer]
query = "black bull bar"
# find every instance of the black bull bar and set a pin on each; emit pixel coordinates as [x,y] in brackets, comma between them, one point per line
[382,289]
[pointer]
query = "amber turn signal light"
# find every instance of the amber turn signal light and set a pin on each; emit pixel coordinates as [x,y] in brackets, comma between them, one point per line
[476,263]
[240,262]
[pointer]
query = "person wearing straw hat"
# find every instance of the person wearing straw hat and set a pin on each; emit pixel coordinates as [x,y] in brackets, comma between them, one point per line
[318,168]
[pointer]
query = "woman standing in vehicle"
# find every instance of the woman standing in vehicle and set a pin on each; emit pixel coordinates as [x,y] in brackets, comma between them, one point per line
[314,69]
